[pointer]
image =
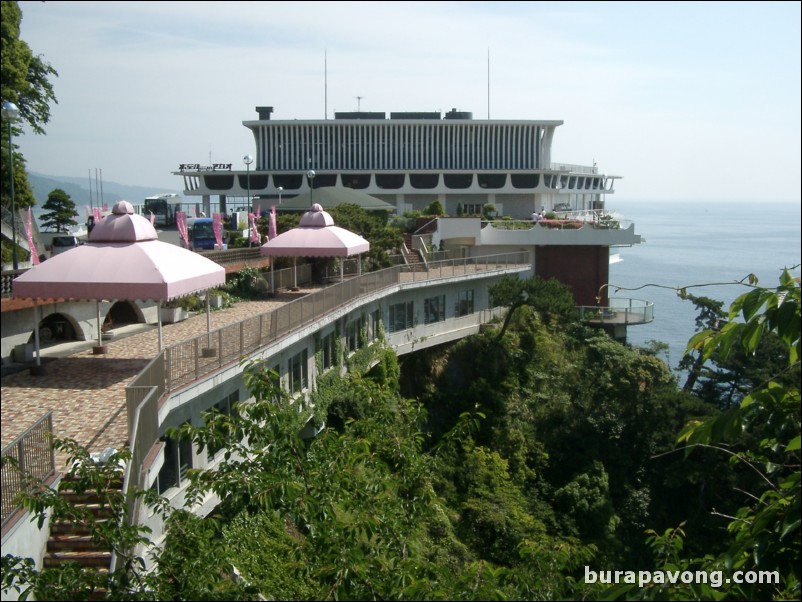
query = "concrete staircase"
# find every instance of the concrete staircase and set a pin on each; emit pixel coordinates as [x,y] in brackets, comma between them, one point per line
[411,256]
[71,540]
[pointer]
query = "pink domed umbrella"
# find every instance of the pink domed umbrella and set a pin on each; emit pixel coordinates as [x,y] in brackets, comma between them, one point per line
[315,236]
[123,260]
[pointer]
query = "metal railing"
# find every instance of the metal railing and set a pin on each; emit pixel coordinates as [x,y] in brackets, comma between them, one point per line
[619,311]
[205,354]
[34,461]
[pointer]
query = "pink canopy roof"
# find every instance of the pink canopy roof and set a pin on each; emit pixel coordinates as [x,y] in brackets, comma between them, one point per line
[316,236]
[122,260]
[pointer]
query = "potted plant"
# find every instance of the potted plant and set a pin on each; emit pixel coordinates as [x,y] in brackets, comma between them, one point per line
[177,310]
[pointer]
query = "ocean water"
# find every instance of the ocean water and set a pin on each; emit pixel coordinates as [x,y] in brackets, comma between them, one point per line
[694,243]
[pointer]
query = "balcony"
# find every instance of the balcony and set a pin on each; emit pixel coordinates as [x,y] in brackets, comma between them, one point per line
[517,233]
[619,311]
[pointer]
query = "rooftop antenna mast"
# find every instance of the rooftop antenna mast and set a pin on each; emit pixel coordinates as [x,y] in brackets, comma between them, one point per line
[488,83]
[359,103]
[325,84]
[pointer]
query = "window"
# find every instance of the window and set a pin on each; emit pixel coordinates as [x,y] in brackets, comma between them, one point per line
[464,303]
[298,372]
[400,316]
[375,325]
[177,460]
[352,334]
[225,406]
[434,309]
[329,350]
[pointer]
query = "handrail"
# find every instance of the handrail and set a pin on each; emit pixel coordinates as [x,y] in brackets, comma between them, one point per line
[619,310]
[188,360]
[192,359]
[35,457]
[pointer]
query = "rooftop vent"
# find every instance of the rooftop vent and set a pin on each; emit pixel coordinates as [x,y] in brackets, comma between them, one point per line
[264,112]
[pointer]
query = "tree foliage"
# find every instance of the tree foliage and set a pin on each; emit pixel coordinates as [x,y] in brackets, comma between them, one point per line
[508,464]
[761,435]
[25,81]
[60,211]
[372,226]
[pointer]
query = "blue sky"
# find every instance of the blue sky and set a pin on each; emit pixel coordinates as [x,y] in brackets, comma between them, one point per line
[697,100]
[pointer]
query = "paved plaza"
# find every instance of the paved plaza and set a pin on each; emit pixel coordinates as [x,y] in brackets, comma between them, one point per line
[86,392]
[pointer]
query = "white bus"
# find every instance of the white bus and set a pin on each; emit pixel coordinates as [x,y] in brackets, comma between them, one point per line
[163,207]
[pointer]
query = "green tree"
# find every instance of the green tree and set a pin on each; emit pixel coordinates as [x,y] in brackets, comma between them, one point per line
[24,80]
[762,434]
[25,76]
[435,208]
[551,299]
[372,226]
[710,316]
[60,211]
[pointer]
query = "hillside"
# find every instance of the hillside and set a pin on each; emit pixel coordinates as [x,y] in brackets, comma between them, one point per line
[78,189]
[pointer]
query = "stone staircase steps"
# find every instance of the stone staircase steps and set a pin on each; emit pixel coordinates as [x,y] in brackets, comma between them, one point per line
[71,541]
[86,558]
[411,256]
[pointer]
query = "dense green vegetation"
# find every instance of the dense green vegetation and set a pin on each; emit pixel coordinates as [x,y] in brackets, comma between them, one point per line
[502,467]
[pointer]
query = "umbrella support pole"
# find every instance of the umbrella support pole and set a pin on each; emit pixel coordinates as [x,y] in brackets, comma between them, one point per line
[208,351]
[100,348]
[37,369]
[159,312]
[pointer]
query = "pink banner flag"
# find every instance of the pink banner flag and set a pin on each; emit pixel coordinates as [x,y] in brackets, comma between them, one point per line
[254,230]
[271,232]
[105,207]
[96,214]
[31,246]
[181,224]
[217,226]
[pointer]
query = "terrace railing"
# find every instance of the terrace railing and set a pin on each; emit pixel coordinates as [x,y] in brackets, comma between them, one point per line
[33,461]
[619,311]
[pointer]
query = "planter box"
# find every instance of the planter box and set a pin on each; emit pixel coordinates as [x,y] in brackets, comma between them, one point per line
[215,301]
[23,353]
[171,315]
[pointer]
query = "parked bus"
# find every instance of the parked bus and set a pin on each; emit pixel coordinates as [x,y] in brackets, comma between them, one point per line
[200,233]
[163,207]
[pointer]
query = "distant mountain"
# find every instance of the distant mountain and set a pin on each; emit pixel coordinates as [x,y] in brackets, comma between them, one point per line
[78,189]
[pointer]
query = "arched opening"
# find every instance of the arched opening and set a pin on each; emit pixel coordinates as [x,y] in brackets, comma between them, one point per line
[122,313]
[56,328]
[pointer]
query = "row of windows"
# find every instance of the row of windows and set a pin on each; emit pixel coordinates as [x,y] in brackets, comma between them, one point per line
[393,146]
[178,454]
[402,315]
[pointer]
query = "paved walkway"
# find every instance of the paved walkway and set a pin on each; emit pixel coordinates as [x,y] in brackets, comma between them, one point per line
[86,392]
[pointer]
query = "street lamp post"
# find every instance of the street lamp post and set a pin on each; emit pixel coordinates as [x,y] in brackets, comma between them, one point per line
[248,160]
[11,112]
[280,190]
[311,175]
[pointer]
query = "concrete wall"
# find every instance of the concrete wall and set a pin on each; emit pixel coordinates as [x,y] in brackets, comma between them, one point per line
[25,540]
[18,325]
